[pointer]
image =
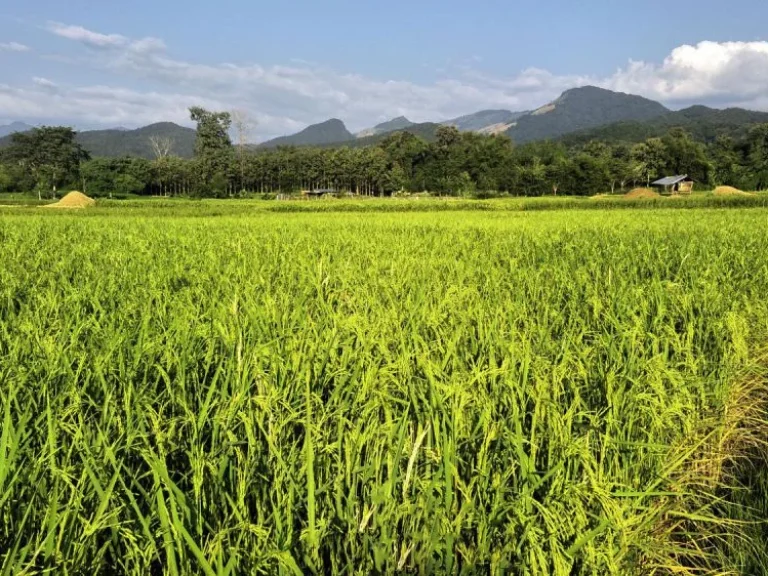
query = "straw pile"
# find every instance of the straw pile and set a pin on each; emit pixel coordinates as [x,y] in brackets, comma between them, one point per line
[73,200]
[730,191]
[641,194]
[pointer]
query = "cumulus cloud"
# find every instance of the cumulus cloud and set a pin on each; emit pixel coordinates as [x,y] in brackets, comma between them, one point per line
[285,98]
[725,72]
[13,47]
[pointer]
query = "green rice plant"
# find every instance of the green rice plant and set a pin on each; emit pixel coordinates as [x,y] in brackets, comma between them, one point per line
[497,391]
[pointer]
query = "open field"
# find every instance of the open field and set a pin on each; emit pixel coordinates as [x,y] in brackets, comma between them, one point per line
[184,206]
[501,387]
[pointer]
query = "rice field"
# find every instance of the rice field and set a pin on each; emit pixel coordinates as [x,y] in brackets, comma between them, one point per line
[457,392]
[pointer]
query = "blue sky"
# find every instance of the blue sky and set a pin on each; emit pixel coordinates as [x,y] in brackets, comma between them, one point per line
[288,64]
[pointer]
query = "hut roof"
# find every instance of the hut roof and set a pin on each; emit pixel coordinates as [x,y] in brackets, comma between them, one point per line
[320,191]
[671,180]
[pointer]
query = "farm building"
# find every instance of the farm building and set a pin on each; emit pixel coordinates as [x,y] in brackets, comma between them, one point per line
[317,193]
[675,184]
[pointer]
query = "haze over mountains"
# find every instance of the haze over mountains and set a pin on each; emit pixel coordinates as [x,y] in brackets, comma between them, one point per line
[576,109]
[577,116]
[14,127]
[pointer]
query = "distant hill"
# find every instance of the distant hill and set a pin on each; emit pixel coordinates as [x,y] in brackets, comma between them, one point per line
[398,123]
[486,121]
[582,108]
[329,132]
[120,142]
[14,127]
[705,124]
[576,117]
[425,130]
[117,142]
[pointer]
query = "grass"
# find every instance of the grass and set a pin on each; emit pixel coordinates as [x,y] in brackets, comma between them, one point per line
[182,206]
[504,392]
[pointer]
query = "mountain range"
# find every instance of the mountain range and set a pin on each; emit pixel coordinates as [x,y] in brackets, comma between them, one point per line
[576,117]
[14,127]
[121,141]
[703,123]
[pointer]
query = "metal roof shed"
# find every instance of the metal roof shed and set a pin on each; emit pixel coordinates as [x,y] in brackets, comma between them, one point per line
[675,184]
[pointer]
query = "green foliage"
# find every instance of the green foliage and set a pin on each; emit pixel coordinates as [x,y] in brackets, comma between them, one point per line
[212,131]
[455,163]
[704,124]
[136,143]
[758,154]
[6,180]
[105,176]
[50,154]
[213,148]
[536,394]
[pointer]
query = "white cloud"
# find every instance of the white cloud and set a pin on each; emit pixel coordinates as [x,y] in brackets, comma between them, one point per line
[45,84]
[87,37]
[104,106]
[13,47]
[727,72]
[287,98]
[105,41]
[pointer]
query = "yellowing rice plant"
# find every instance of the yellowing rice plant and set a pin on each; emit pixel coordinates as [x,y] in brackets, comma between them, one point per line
[453,393]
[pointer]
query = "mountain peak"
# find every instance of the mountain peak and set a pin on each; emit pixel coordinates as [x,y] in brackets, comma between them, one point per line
[399,123]
[327,132]
[582,108]
[485,120]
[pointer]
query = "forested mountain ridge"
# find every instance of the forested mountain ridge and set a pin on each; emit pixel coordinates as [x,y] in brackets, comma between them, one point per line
[330,131]
[399,123]
[117,142]
[575,118]
[583,108]
[703,123]
[426,131]
[481,121]
[576,109]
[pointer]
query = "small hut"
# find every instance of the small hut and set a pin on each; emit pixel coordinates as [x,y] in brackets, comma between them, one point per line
[317,193]
[675,184]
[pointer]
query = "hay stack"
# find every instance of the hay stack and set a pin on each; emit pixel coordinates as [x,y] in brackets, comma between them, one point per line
[641,194]
[73,200]
[730,191]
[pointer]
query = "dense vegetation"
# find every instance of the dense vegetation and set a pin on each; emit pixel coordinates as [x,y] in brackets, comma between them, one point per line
[496,393]
[702,123]
[455,163]
[115,143]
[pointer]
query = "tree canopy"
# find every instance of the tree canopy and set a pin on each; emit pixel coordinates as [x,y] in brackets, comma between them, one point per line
[455,163]
[50,154]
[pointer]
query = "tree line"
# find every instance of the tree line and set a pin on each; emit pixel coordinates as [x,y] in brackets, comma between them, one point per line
[48,160]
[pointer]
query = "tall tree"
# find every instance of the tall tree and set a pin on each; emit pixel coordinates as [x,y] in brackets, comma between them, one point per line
[213,147]
[243,127]
[725,161]
[50,153]
[683,155]
[758,155]
[648,159]
[162,146]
